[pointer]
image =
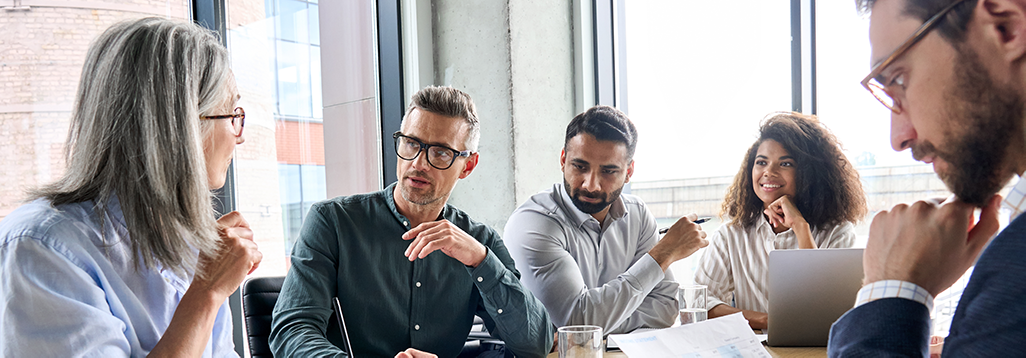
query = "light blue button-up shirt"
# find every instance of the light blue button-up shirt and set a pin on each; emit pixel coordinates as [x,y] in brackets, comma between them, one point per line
[69,287]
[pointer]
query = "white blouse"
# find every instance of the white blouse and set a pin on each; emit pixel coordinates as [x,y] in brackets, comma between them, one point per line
[735,266]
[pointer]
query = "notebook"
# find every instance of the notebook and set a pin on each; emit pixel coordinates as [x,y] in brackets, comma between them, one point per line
[808,291]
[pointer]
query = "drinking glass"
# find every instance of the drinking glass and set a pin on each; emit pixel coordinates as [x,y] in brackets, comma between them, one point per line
[691,301]
[580,342]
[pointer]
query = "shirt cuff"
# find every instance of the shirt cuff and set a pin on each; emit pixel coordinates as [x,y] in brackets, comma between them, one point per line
[645,274]
[894,289]
[488,273]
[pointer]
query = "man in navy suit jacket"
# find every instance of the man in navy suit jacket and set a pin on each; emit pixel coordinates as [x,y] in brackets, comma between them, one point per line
[953,72]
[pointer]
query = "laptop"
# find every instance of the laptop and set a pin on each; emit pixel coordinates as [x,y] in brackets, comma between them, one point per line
[342,326]
[808,291]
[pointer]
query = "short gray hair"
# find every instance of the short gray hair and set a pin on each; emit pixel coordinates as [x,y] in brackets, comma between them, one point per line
[136,136]
[449,102]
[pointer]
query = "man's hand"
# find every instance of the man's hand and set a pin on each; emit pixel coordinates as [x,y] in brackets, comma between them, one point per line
[237,257]
[929,243]
[683,239]
[413,353]
[443,235]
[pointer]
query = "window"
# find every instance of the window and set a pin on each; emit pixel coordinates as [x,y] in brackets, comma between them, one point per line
[698,88]
[280,169]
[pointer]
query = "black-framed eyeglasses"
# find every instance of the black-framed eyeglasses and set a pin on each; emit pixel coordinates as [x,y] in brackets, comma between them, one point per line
[439,156]
[238,119]
[879,90]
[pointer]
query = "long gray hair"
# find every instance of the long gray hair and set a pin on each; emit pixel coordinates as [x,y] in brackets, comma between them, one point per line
[136,136]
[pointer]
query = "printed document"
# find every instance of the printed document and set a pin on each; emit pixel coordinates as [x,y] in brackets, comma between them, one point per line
[727,337]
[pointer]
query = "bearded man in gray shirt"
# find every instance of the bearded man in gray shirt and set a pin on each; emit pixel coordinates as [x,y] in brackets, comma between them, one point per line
[591,254]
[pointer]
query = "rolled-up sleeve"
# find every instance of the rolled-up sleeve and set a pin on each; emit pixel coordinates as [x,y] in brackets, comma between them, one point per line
[508,308]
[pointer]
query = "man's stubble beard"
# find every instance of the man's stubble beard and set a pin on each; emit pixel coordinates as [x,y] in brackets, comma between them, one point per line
[988,116]
[409,195]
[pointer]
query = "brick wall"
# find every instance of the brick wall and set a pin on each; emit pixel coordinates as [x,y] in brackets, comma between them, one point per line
[300,142]
[41,54]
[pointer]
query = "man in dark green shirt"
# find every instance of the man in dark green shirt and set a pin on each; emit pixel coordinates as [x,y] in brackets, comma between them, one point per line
[376,252]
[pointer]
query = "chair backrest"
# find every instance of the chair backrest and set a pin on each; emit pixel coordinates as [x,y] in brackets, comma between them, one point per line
[258,298]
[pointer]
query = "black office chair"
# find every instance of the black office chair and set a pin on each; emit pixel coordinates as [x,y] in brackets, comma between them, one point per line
[261,293]
[480,343]
[258,298]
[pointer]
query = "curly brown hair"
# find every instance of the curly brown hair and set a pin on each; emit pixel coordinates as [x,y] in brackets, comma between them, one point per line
[828,188]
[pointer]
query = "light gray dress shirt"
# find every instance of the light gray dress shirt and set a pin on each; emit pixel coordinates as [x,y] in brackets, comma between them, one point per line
[586,272]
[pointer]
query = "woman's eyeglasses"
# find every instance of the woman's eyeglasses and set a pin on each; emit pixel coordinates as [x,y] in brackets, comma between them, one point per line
[238,119]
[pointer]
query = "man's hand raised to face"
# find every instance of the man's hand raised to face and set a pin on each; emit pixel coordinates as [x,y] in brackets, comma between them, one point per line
[450,239]
[683,239]
[928,243]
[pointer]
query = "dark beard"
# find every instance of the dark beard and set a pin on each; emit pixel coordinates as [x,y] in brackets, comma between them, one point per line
[990,117]
[589,208]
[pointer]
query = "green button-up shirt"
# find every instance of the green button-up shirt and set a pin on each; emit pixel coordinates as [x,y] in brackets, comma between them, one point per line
[352,247]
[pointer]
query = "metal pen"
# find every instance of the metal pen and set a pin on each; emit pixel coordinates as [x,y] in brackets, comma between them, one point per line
[697,221]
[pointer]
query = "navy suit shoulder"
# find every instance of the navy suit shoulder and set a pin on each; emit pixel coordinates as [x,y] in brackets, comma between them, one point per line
[990,320]
[891,327]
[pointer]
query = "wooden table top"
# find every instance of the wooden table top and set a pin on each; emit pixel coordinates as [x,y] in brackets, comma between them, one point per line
[777,352]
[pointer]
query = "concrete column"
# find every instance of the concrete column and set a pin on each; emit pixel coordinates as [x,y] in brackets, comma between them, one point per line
[515,58]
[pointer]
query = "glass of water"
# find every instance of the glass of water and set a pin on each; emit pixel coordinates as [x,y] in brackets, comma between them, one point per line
[580,342]
[691,301]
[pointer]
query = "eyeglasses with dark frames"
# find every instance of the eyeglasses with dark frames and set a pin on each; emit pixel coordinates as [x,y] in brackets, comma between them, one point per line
[439,156]
[238,119]
[874,84]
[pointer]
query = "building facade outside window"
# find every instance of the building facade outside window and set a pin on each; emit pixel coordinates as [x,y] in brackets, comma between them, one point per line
[279,171]
[41,56]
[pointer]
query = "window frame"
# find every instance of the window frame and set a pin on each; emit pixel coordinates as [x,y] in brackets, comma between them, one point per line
[600,66]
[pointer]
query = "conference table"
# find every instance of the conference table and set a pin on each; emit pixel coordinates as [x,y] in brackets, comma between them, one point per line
[776,352]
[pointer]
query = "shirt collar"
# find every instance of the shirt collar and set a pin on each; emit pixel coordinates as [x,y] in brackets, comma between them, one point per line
[113,207]
[389,195]
[1016,198]
[617,210]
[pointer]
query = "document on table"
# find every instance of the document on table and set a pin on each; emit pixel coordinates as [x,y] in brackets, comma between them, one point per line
[727,336]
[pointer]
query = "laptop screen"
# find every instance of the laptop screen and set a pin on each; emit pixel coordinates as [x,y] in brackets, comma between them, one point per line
[808,291]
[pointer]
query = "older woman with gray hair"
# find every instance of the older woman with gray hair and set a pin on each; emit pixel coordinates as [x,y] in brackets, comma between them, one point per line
[122,255]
